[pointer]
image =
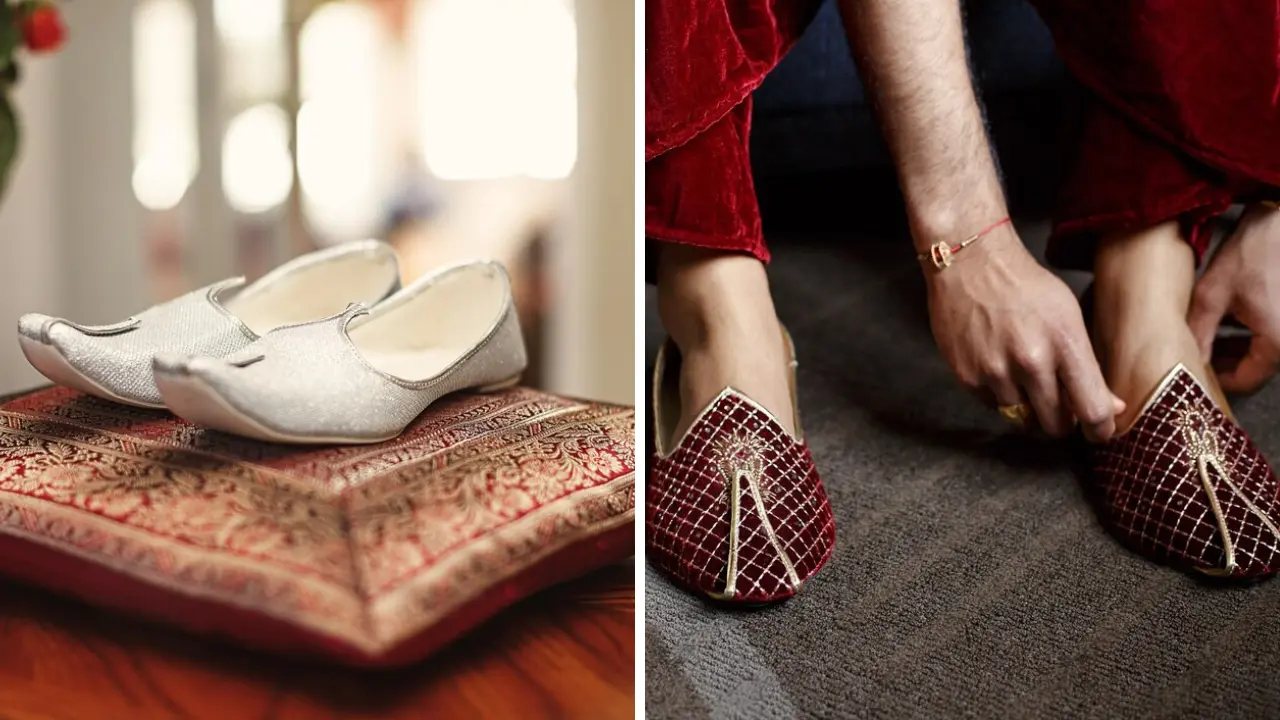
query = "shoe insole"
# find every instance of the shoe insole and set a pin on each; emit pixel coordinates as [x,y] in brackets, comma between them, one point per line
[669,409]
[312,293]
[419,336]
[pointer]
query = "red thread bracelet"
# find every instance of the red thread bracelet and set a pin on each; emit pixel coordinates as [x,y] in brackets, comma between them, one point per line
[941,253]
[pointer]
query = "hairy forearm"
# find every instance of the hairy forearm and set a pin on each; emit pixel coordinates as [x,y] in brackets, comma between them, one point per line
[912,57]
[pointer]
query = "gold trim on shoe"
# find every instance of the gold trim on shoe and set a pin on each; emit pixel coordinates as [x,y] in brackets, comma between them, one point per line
[754,484]
[1159,389]
[740,458]
[1202,446]
[1164,384]
[731,568]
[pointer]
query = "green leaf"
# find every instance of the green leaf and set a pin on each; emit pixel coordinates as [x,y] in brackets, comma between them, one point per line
[8,140]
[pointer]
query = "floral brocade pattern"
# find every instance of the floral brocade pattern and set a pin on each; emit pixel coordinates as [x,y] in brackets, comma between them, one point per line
[785,529]
[1159,483]
[368,544]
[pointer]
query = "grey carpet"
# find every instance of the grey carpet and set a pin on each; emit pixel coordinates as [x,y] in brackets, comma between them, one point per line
[970,578]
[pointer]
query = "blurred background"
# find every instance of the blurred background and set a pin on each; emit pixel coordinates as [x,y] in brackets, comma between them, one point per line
[173,143]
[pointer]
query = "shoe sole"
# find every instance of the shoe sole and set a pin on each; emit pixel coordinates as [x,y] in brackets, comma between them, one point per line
[195,401]
[54,365]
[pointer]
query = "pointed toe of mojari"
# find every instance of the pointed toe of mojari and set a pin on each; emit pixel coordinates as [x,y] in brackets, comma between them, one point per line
[1185,486]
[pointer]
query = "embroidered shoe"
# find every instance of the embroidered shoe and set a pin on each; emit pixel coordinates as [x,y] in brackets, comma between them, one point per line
[362,375]
[1185,486]
[735,509]
[114,361]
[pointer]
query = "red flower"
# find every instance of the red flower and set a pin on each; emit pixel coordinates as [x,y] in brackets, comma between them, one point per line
[42,29]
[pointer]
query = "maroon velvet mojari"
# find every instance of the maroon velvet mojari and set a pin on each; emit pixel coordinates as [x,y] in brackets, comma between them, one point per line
[1181,120]
[1186,486]
[735,509]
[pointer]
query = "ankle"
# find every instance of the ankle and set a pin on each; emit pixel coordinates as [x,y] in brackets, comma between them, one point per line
[1152,271]
[1142,286]
[707,298]
[1128,324]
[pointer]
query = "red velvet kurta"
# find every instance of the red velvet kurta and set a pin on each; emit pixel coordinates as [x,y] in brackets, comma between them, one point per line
[1182,116]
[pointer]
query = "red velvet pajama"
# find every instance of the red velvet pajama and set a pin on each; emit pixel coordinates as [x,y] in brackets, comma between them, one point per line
[703,59]
[1181,116]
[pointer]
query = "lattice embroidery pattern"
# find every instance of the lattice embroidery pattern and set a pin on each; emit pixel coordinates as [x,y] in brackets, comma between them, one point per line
[523,471]
[1158,498]
[689,522]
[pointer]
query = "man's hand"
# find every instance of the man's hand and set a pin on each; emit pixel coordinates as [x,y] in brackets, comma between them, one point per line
[1003,322]
[1011,330]
[1244,280]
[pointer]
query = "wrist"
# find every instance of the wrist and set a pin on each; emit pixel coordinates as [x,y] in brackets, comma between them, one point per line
[993,252]
[952,224]
[954,210]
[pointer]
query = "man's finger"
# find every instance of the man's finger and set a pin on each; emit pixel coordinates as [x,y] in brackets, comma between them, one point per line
[1209,303]
[1254,370]
[1043,392]
[1005,390]
[1091,400]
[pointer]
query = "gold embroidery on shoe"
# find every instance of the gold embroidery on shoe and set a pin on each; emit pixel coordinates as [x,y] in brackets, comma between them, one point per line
[740,458]
[1202,444]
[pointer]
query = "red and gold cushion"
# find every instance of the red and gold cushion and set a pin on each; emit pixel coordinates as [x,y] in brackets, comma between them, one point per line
[1187,487]
[737,511]
[369,554]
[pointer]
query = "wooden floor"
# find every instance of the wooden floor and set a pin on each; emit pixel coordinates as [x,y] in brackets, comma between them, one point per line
[569,652]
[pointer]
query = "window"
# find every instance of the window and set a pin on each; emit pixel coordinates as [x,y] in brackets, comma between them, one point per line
[342,157]
[165,147]
[257,163]
[497,88]
[257,167]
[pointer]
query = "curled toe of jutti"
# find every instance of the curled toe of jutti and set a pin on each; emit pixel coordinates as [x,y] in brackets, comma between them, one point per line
[1186,487]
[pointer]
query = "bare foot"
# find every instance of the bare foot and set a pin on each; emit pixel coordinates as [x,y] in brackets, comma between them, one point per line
[1143,284]
[719,313]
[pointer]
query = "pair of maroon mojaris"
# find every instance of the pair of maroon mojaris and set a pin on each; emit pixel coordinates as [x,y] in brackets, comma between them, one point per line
[736,511]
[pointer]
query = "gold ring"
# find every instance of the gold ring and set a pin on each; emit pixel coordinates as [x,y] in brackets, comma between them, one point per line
[1016,414]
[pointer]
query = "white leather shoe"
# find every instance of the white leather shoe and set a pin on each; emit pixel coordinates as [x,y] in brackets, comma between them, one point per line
[114,361]
[362,375]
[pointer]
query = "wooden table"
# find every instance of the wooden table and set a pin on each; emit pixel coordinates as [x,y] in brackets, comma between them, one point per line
[568,652]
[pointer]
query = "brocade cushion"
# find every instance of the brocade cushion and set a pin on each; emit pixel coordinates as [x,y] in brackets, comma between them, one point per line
[364,554]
